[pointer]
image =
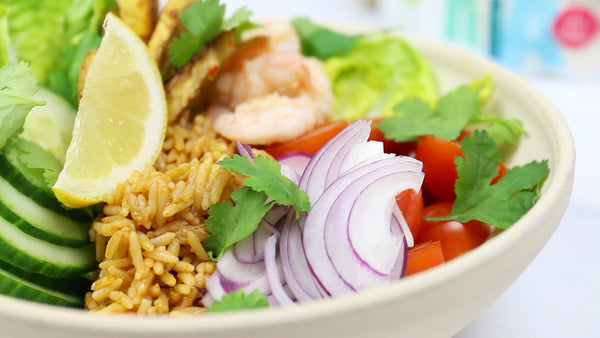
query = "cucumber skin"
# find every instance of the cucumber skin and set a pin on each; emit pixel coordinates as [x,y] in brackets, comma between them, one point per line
[59,291]
[32,186]
[26,262]
[33,231]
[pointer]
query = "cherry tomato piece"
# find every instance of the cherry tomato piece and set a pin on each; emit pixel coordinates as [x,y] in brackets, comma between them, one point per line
[410,203]
[310,142]
[501,172]
[424,256]
[456,237]
[390,146]
[438,156]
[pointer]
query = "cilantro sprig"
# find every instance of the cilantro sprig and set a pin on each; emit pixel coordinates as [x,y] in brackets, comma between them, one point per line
[322,42]
[453,112]
[238,300]
[17,86]
[502,203]
[231,221]
[204,21]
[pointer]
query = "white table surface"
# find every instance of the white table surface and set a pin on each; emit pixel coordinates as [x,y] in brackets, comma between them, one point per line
[559,293]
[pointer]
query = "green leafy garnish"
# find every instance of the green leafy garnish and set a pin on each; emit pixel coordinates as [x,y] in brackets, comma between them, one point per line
[37,158]
[378,72]
[40,31]
[82,33]
[502,203]
[453,112]
[203,21]
[238,300]
[17,86]
[321,42]
[264,175]
[414,117]
[4,40]
[229,222]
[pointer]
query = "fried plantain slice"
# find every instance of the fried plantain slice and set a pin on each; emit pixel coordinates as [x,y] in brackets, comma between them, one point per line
[140,16]
[83,70]
[167,28]
[185,90]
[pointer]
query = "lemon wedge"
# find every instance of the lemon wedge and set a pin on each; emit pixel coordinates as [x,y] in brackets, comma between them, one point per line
[121,121]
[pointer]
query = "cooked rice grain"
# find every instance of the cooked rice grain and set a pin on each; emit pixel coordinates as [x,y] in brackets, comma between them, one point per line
[149,236]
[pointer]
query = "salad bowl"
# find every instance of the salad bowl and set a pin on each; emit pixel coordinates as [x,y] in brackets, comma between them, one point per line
[435,303]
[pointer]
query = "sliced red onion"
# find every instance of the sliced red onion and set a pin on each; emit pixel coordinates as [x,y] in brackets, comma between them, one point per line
[314,178]
[294,264]
[245,150]
[354,236]
[273,274]
[400,221]
[297,160]
[322,212]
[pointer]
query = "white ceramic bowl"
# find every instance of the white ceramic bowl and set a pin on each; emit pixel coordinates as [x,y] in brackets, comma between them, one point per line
[436,303]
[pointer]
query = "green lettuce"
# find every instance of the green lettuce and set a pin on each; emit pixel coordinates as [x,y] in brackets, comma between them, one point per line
[54,36]
[4,41]
[377,73]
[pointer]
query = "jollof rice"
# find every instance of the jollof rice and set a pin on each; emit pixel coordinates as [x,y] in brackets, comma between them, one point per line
[150,233]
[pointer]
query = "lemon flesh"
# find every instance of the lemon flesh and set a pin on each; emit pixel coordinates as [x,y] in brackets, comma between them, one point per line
[121,120]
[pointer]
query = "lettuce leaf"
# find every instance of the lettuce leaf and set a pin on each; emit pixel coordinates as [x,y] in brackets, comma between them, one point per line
[36,29]
[17,86]
[54,36]
[377,73]
[4,40]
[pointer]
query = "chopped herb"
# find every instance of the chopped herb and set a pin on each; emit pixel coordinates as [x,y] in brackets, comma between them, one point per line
[264,175]
[34,156]
[238,300]
[454,111]
[321,42]
[230,222]
[17,86]
[204,21]
[500,204]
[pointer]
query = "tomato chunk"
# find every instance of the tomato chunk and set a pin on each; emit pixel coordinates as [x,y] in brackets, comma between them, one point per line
[410,203]
[310,142]
[438,156]
[455,237]
[424,256]
[390,146]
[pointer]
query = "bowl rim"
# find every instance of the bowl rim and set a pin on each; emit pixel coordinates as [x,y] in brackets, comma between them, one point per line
[559,182]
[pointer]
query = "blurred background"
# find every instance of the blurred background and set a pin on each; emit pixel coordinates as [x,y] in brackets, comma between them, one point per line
[554,44]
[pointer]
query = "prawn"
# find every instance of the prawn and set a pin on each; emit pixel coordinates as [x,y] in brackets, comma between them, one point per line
[264,120]
[246,94]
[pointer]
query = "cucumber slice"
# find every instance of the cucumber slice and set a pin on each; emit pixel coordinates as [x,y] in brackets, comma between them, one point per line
[39,222]
[50,125]
[63,292]
[38,256]
[31,183]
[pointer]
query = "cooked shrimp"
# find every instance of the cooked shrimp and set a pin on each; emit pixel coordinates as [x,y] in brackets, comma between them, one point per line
[285,73]
[264,120]
[282,36]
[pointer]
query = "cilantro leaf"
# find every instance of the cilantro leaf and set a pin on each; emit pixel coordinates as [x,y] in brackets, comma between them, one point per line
[454,111]
[238,18]
[501,204]
[413,117]
[321,42]
[17,86]
[203,21]
[230,222]
[34,156]
[238,300]
[264,175]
